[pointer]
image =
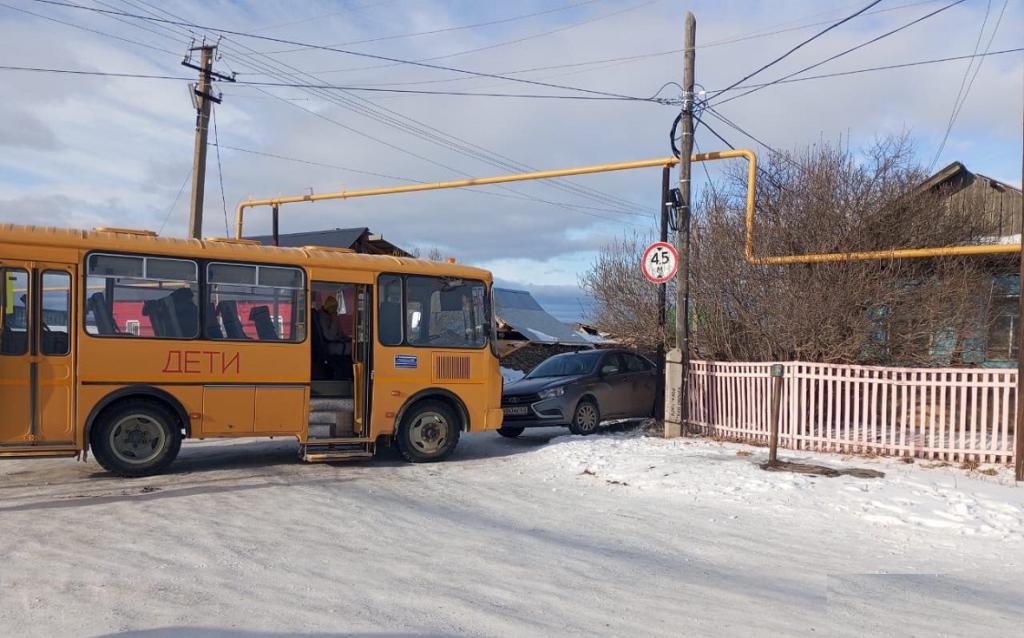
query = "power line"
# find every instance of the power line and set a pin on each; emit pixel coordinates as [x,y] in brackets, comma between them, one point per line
[361,7]
[450,29]
[850,50]
[640,56]
[886,67]
[436,136]
[715,114]
[798,46]
[220,175]
[333,49]
[82,28]
[518,40]
[959,102]
[478,190]
[326,87]
[402,121]
[170,210]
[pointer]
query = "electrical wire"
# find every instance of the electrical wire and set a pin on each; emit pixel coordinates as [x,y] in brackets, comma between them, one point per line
[847,51]
[450,29]
[361,7]
[798,46]
[82,28]
[959,102]
[886,67]
[477,190]
[563,205]
[220,174]
[333,49]
[642,56]
[170,210]
[326,87]
[518,40]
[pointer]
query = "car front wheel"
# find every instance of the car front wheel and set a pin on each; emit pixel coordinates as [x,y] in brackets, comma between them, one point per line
[510,433]
[586,418]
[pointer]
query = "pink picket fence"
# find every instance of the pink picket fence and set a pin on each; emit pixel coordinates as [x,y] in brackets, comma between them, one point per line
[950,414]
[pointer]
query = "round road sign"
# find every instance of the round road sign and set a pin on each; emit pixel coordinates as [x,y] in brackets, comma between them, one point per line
[660,262]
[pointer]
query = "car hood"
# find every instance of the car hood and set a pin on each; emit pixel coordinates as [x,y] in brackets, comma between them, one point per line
[532,386]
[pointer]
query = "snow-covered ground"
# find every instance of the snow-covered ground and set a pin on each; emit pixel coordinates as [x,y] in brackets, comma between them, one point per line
[546,535]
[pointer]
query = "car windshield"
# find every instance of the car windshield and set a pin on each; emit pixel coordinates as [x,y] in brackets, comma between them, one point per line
[566,365]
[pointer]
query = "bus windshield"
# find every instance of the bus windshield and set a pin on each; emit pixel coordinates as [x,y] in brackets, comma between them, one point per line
[446,312]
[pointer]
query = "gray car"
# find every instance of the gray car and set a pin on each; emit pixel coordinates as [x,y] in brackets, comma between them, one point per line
[579,390]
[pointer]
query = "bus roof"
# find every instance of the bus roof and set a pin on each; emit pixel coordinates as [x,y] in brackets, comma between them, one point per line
[134,241]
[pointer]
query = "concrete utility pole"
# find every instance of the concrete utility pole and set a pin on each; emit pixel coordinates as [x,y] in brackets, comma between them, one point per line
[683,237]
[203,101]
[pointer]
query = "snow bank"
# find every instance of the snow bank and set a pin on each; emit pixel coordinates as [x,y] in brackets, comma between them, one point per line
[911,496]
[511,375]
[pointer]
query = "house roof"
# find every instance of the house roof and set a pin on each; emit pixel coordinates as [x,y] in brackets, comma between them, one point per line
[358,239]
[519,311]
[956,169]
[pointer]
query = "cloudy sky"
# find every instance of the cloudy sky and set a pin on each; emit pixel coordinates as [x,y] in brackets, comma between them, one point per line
[85,150]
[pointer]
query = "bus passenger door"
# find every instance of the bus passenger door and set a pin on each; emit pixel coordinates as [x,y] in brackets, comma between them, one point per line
[36,363]
[54,360]
[15,359]
[362,356]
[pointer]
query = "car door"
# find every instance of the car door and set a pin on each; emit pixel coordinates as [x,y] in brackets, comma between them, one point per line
[614,395]
[640,374]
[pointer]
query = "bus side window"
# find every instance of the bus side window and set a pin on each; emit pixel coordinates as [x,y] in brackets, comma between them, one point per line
[256,303]
[389,320]
[155,297]
[56,316]
[15,331]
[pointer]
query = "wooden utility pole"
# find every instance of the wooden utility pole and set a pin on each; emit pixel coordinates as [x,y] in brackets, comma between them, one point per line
[203,101]
[683,216]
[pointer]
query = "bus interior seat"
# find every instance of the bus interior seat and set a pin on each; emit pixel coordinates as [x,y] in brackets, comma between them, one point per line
[213,330]
[158,315]
[185,312]
[260,316]
[105,323]
[321,365]
[228,311]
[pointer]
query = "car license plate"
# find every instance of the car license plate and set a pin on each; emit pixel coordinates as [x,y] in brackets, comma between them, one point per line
[517,410]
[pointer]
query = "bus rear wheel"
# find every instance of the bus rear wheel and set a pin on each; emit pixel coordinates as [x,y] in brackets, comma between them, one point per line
[136,438]
[429,432]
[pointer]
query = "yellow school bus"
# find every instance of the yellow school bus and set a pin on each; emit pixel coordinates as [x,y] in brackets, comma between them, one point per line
[123,343]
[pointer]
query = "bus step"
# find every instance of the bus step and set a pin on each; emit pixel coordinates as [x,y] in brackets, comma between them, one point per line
[327,456]
[338,440]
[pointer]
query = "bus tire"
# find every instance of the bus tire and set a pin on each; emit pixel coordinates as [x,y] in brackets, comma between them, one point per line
[429,432]
[136,437]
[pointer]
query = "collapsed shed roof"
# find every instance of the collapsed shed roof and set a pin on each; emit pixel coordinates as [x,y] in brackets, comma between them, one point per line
[517,311]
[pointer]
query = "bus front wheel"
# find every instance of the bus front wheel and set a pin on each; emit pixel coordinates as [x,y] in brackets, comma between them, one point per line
[429,432]
[136,438]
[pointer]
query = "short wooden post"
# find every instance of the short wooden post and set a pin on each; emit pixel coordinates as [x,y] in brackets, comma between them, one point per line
[773,440]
